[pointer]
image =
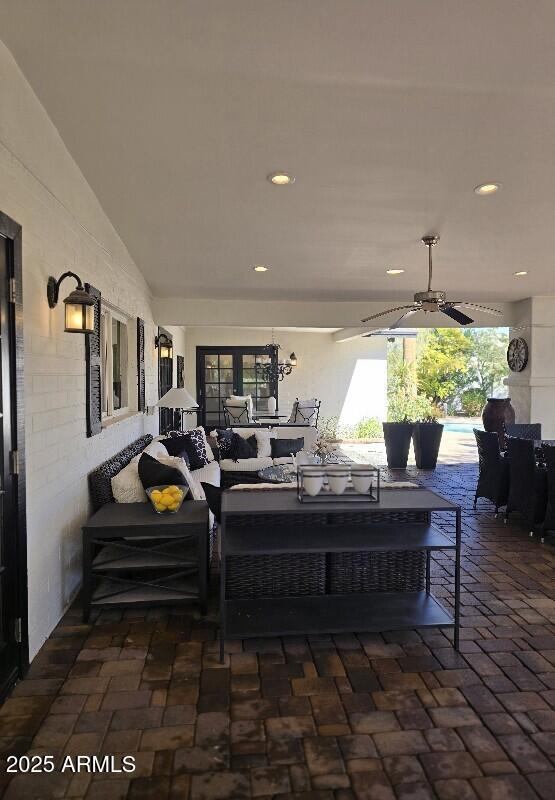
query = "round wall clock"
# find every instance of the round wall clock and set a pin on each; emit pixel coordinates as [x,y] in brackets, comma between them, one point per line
[517,354]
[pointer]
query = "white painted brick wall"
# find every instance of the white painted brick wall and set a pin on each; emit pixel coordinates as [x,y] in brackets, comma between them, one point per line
[64,228]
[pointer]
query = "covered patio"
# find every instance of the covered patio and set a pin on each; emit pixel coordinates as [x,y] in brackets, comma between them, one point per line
[397,715]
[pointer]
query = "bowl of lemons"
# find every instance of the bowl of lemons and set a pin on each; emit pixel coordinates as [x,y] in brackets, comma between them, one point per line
[167,499]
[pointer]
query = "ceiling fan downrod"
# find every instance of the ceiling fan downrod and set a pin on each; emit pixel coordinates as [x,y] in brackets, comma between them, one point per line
[430,241]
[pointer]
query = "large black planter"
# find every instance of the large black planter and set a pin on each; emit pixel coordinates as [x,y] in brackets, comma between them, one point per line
[426,438]
[397,437]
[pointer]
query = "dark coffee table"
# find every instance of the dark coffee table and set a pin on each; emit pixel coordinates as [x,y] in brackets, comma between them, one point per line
[288,569]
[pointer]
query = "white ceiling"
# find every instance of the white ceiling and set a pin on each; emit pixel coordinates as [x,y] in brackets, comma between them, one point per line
[387,112]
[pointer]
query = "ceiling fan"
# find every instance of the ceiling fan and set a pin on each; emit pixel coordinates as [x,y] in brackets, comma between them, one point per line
[432,301]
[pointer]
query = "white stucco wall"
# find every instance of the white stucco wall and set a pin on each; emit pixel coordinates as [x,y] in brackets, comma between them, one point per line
[64,228]
[532,391]
[349,377]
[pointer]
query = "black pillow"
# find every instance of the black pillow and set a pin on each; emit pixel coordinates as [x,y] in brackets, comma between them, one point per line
[224,437]
[242,448]
[281,448]
[175,447]
[214,499]
[193,442]
[153,473]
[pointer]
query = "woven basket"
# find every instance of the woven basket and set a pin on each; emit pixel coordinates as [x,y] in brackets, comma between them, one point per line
[389,571]
[275,520]
[285,575]
[362,517]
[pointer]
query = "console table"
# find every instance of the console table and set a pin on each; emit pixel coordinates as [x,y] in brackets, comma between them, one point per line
[346,553]
[133,556]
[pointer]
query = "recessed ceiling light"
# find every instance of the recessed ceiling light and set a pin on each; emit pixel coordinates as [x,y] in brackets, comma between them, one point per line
[395,271]
[484,189]
[260,268]
[520,273]
[281,178]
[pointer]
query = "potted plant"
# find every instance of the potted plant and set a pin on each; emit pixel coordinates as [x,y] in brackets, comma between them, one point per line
[426,436]
[397,430]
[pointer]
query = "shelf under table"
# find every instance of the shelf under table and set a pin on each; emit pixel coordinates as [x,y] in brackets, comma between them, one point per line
[112,593]
[290,616]
[266,539]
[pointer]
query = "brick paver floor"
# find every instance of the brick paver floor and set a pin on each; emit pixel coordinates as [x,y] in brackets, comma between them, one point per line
[372,717]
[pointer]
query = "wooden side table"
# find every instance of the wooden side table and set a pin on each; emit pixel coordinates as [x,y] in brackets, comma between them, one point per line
[133,556]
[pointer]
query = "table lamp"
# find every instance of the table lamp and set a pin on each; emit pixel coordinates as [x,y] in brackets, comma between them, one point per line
[178,398]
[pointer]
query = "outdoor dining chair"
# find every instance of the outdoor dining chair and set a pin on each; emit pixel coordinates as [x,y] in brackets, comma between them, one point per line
[528,482]
[529,430]
[548,526]
[493,478]
[236,414]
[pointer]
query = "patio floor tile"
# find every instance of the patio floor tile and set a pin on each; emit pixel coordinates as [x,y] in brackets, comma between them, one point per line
[392,716]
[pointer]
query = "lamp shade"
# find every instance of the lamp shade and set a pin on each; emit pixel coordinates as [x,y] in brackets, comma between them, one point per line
[177,398]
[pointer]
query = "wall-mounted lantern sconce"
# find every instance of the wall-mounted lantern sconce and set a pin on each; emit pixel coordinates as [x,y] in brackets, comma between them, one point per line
[165,345]
[79,305]
[293,360]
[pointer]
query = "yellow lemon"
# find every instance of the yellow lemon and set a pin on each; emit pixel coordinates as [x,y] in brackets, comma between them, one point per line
[166,500]
[156,495]
[172,489]
[178,495]
[159,507]
[173,507]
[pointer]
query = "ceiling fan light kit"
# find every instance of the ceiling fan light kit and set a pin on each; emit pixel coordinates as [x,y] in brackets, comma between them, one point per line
[432,300]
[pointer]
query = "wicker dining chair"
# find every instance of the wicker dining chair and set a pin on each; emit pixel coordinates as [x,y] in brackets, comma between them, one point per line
[528,482]
[528,430]
[493,478]
[548,526]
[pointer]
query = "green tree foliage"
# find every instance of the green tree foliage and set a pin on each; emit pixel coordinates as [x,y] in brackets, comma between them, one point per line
[443,363]
[404,401]
[461,366]
[487,363]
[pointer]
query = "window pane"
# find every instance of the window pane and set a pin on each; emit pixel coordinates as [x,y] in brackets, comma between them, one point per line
[212,404]
[211,361]
[104,356]
[119,364]
[226,362]
[248,361]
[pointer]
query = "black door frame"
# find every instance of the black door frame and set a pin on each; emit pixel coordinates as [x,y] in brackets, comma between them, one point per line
[233,350]
[15,475]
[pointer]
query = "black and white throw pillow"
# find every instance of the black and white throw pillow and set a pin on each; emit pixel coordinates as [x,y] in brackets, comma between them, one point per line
[223,437]
[281,448]
[242,448]
[194,446]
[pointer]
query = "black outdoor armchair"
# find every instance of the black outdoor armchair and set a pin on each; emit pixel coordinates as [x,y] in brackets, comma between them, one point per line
[528,482]
[548,526]
[493,479]
[527,430]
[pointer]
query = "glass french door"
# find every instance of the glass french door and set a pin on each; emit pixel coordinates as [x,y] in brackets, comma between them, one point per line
[223,371]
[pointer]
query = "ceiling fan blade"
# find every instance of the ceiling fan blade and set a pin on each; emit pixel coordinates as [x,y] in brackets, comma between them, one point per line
[403,317]
[455,314]
[388,311]
[478,307]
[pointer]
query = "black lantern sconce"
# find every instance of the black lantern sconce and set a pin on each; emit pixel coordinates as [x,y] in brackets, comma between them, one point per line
[165,344]
[79,305]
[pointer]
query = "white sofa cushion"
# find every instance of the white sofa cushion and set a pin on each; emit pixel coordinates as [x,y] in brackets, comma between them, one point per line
[282,460]
[210,473]
[245,464]
[308,432]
